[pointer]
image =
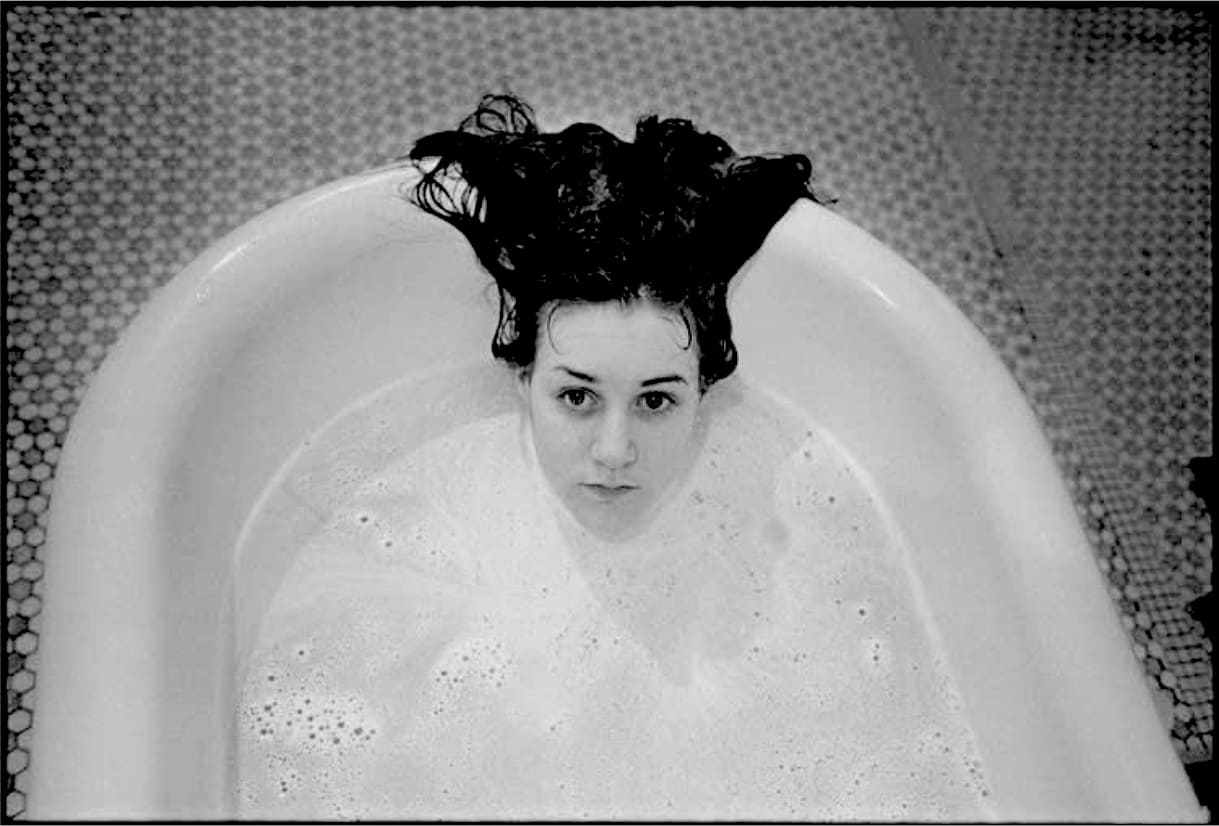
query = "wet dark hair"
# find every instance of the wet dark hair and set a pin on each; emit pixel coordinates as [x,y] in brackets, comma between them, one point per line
[581,216]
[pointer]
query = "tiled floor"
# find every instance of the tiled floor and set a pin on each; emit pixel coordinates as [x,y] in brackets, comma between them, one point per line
[1050,168]
[1102,143]
[1096,128]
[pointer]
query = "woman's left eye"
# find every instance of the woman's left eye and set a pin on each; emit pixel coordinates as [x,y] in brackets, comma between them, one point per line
[656,402]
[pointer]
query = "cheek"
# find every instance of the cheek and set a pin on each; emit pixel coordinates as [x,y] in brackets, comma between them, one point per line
[667,446]
[556,438]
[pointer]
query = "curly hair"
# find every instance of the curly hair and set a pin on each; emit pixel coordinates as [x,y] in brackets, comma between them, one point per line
[581,216]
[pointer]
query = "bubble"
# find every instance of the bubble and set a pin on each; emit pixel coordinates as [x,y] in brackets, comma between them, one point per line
[879,652]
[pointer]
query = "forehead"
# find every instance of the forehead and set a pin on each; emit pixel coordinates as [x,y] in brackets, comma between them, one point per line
[616,340]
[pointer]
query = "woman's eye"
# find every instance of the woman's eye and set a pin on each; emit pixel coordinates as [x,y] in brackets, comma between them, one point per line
[576,398]
[656,402]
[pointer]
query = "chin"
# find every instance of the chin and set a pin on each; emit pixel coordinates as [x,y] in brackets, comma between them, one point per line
[613,521]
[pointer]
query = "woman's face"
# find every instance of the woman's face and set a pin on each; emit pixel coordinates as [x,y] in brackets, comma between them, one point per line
[613,402]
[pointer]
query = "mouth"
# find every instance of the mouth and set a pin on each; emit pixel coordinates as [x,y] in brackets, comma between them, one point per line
[607,493]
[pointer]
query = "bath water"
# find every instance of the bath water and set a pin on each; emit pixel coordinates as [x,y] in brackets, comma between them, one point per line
[447,642]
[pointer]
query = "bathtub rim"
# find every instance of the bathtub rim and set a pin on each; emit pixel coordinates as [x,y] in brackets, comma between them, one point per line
[108,427]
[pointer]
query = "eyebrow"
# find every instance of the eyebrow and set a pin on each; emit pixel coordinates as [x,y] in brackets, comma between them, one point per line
[577,375]
[646,383]
[663,380]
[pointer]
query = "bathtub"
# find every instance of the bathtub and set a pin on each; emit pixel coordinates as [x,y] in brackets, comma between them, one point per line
[340,291]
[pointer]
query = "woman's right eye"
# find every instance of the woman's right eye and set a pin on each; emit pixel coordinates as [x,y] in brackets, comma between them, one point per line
[576,398]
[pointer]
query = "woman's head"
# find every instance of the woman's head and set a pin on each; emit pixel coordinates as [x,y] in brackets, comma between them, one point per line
[612,261]
[581,217]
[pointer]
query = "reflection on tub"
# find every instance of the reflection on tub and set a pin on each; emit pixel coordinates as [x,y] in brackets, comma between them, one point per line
[448,642]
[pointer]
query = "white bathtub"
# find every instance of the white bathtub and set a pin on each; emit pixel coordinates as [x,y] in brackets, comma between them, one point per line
[342,290]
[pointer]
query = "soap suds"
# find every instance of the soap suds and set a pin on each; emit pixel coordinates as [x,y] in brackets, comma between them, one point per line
[442,646]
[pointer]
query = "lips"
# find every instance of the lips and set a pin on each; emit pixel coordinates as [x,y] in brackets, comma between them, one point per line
[607,493]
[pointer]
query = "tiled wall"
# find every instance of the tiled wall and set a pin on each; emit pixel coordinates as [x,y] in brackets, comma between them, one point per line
[1049,168]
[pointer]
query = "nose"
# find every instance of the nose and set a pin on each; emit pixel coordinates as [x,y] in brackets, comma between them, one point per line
[613,444]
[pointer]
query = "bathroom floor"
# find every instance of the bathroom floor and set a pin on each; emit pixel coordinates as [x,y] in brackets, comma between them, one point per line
[1048,167]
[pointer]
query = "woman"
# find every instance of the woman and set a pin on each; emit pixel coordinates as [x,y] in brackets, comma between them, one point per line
[753,654]
[612,261]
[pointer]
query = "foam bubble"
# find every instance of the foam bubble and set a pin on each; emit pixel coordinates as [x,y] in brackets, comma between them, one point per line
[878,653]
